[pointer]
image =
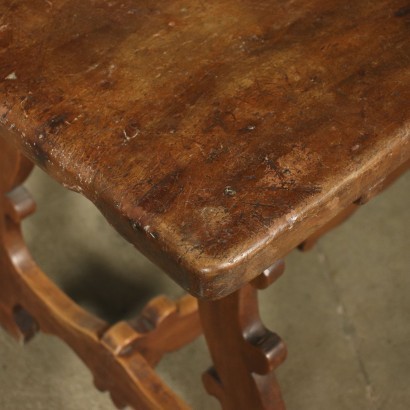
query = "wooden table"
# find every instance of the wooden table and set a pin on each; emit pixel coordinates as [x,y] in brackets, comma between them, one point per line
[216,137]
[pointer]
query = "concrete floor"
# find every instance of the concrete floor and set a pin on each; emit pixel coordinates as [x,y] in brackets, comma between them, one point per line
[343,309]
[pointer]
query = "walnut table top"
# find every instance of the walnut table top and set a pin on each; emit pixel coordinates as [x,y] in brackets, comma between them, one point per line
[214,135]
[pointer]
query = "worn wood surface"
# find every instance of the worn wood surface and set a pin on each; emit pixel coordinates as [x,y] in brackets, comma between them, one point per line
[216,136]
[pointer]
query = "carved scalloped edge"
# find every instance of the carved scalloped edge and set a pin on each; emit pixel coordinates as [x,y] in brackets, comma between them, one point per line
[129,380]
[30,302]
[162,327]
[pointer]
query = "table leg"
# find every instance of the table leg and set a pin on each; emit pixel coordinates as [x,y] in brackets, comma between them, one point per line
[244,352]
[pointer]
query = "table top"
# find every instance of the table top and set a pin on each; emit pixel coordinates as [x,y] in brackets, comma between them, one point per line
[215,136]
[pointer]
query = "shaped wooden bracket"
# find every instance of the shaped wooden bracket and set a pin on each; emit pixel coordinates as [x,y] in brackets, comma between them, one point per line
[162,327]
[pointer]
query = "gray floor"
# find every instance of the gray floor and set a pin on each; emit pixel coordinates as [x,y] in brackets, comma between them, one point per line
[343,309]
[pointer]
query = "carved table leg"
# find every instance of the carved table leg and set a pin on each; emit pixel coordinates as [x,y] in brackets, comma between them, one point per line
[29,301]
[244,352]
[14,169]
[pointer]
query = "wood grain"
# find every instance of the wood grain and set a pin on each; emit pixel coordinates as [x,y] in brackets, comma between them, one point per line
[215,136]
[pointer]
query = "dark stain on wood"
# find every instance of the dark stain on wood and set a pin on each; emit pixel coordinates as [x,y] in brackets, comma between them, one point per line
[404,11]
